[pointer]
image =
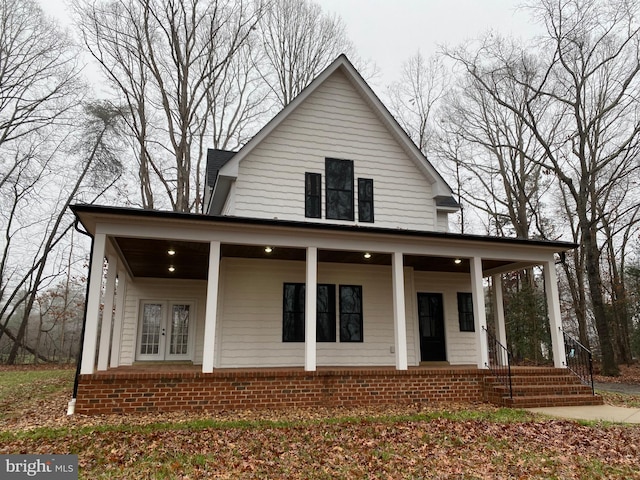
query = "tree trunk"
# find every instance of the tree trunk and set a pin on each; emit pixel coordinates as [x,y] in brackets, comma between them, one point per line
[592,257]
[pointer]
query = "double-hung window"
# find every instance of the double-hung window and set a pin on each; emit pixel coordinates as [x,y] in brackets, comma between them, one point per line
[351,313]
[294,308]
[339,189]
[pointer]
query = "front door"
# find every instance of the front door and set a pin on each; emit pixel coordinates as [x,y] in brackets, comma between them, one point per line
[165,331]
[431,320]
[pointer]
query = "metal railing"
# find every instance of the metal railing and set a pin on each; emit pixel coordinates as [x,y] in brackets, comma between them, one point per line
[579,360]
[499,361]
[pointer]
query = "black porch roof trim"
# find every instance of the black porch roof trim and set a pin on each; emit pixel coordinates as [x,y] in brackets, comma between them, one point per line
[231,220]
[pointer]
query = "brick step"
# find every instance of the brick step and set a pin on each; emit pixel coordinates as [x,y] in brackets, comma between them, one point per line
[537,390]
[552,401]
[537,380]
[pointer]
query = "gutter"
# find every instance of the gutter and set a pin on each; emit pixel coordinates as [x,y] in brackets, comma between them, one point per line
[71,406]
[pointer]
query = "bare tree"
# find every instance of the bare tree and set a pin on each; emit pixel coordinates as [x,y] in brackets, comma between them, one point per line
[97,168]
[114,37]
[300,40]
[590,136]
[165,58]
[39,90]
[415,96]
[505,183]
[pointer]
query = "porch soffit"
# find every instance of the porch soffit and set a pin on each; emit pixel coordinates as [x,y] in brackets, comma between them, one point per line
[149,258]
[143,238]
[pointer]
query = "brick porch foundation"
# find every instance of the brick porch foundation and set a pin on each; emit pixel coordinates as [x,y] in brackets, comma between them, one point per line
[122,392]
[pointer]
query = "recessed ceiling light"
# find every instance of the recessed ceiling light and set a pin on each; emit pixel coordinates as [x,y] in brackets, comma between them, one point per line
[268,249]
[457,261]
[171,251]
[367,255]
[172,268]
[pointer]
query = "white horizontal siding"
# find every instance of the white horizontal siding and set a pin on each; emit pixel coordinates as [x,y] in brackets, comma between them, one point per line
[251,318]
[443,222]
[461,346]
[160,290]
[333,122]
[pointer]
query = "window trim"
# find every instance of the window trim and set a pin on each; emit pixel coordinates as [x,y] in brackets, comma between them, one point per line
[466,318]
[344,339]
[329,212]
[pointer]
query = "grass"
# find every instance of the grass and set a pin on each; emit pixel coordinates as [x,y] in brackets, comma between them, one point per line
[22,389]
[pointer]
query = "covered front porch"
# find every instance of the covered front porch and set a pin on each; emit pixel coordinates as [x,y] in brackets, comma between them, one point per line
[218,256]
[222,281]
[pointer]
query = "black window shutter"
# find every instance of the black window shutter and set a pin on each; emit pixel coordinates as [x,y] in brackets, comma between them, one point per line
[365,199]
[313,195]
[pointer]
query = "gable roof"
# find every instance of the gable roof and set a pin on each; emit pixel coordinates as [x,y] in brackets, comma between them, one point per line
[229,171]
[216,159]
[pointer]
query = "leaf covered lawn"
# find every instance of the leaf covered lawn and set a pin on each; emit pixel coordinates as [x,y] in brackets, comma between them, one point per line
[412,442]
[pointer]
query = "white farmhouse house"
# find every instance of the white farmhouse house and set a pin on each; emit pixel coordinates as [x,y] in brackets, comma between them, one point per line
[322,272]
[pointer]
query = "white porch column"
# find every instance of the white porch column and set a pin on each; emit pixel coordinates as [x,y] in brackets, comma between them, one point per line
[399,315]
[107,312]
[479,314]
[87,363]
[310,310]
[555,318]
[211,309]
[498,309]
[116,338]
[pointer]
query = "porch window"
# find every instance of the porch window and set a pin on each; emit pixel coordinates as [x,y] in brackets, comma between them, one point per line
[350,313]
[293,313]
[465,312]
[365,199]
[312,195]
[339,187]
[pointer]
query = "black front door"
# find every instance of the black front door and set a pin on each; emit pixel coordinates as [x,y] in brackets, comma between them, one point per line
[431,318]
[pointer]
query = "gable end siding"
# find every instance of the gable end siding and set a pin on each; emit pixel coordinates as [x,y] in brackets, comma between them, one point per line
[334,122]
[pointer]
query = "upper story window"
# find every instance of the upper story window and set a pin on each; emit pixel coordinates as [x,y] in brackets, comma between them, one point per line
[365,199]
[339,189]
[313,195]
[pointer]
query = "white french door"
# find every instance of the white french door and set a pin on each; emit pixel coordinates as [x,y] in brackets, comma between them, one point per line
[165,331]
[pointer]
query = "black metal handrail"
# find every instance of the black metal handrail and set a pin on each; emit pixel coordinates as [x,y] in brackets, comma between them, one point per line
[499,361]
[579,360]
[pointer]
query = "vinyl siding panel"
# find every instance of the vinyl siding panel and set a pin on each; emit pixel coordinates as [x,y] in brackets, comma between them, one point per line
[461,346]
[334,122]
[161,290]
[251,318]
[443,222]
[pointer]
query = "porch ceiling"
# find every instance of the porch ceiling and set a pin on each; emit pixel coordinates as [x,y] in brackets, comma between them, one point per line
[150,258]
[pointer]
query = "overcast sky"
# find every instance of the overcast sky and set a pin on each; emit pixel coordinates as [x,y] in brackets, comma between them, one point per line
[390,31]
[387,32]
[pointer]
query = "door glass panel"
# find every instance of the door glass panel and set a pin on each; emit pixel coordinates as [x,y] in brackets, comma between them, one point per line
[151,324]
[179,340]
